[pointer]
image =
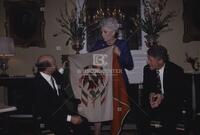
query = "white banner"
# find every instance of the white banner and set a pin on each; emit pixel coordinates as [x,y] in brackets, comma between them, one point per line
[91,80]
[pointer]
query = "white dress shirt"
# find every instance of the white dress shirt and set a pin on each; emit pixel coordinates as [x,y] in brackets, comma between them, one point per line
[161,74]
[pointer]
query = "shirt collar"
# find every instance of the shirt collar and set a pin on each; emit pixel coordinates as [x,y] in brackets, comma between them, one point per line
[46,76]
[161,70]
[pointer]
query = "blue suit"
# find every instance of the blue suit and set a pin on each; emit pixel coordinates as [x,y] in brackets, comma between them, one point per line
[125,58]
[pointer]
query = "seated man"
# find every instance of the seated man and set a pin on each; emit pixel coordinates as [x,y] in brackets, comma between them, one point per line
[50,102]
[163,85]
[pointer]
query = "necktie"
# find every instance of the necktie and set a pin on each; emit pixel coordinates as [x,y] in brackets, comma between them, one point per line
[158,84]
[54,86]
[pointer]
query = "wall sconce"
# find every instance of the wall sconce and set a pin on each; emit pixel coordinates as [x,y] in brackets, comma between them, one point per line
[7,50]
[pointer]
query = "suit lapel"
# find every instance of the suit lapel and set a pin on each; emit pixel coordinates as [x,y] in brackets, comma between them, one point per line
[165,76]
[44,82]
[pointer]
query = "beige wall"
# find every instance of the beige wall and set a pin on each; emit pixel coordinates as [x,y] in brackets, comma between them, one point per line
[24,60]
[173,40]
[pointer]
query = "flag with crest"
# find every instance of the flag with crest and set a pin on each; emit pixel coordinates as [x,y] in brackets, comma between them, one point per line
[97,81]
[92,83]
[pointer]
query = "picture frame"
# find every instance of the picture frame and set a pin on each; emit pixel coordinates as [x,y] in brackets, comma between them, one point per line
[25,22]
[191,18]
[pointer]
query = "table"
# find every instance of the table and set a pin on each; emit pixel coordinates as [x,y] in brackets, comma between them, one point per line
[7,109]
[19,92]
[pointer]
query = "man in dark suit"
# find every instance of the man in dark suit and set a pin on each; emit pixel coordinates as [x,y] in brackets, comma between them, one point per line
[163,83]
[50,102]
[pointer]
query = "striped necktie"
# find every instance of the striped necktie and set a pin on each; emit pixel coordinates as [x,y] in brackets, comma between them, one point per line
[158,84]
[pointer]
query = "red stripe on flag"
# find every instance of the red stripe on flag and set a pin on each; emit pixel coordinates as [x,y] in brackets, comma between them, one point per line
[120,98]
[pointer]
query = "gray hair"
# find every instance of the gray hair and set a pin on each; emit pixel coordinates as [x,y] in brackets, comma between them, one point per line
[110,23]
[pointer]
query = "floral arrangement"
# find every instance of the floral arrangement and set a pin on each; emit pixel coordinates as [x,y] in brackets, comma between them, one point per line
[154,20]
[73,25]
[195,64]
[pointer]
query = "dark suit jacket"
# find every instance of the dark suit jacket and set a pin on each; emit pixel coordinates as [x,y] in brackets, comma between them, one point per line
[173,83]
[53,108]
[63,80]
[48,104]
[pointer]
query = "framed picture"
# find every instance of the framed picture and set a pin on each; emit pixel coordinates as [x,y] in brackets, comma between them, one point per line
[25,22]
[191,17]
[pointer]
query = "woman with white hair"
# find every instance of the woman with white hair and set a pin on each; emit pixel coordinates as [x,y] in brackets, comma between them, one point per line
[109,32]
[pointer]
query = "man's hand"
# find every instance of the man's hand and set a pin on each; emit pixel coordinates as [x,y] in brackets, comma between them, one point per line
[155,99]
[65,63]
[76,120]
[117,51]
